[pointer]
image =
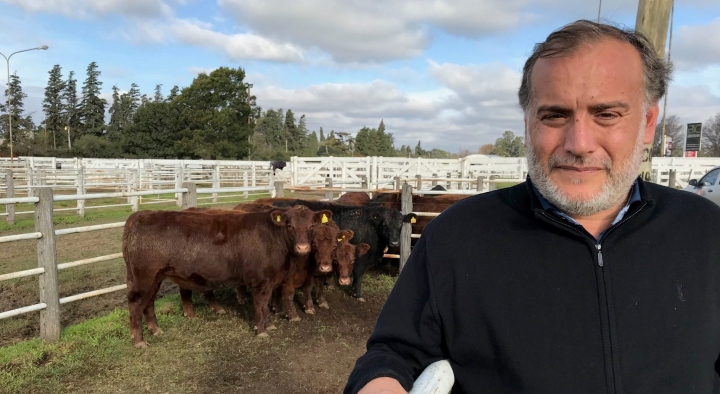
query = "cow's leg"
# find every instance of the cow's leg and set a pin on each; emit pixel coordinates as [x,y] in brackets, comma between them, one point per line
[319,292]
[186,299]
[210,297]
[241,294]
[261,298]
[357,283]
[288,291]
[138,297]
[307,295]
[149,312]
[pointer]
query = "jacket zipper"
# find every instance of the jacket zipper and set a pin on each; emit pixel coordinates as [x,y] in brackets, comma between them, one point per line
[604,300]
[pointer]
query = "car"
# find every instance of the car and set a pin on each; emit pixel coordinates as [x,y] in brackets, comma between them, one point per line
[708,186]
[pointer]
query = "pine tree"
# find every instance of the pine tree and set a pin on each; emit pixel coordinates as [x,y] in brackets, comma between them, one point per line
[116,115]
[158,94]
[301,135]
[174,92]
[322,135]
[134,99]
[312,145]
[92,106]
[14,110]
[53,103]
[71,111]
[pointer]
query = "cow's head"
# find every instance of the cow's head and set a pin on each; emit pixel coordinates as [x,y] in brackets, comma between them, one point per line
[324,240]
[298,222]
[388,223]
[345,256]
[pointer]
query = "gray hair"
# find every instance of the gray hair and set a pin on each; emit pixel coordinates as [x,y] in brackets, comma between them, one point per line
[656,71]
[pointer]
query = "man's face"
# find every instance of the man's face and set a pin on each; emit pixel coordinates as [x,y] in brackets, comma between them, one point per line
[586,126]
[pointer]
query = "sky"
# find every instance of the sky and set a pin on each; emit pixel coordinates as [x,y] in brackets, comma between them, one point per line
[445,72]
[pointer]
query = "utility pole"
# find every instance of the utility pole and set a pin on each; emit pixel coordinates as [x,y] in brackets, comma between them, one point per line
[653,18]
[249,86]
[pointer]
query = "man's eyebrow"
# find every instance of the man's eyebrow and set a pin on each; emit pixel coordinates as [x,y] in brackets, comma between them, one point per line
[554,108]
[605,106]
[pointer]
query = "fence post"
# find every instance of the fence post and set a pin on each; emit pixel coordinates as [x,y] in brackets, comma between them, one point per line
[178,184]
[418,182]
[254,177]
[81,190]
[215,181]
[9,193]
[479,186]
[189,198]
[30,182]
[671,178]
[135,200]
[47,259]
[406,231]
[329,185]
[397,183]
[434,182]
[279,189]
[491,184]
[245,183]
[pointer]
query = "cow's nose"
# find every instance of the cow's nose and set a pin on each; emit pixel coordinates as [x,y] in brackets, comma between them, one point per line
[325,268]
[344,281]
[302,248]
[394,243]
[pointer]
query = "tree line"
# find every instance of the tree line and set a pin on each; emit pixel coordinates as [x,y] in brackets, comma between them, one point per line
[214,118]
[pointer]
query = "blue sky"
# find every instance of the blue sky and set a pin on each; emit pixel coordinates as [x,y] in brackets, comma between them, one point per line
[444,72]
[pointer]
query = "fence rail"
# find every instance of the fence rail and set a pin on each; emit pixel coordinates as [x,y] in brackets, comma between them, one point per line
[45,235]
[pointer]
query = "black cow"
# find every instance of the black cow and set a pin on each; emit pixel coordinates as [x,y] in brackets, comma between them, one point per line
[378,227]
[277,165]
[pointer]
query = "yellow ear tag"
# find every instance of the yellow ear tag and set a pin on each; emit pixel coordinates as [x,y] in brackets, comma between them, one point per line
[340,239]
[278,218]
[413,220]
[324,219]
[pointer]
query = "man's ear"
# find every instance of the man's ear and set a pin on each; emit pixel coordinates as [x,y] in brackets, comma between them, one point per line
[279,218]
[651,117]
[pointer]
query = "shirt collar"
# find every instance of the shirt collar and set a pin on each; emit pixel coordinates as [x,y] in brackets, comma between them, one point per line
[547,206]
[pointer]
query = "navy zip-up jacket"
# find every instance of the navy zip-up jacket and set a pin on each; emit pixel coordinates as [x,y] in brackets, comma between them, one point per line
[520,301]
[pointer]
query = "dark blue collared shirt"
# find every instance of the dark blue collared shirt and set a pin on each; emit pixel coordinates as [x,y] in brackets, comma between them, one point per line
[547,206]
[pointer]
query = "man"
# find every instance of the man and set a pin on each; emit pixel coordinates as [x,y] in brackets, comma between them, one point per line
[584,279]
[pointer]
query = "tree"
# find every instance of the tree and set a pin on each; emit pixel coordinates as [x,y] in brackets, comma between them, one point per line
[92,106]
[419,151]
[213,112]
[301,135]
[174,92]
[153,131]
[53,103]
[71,111]
[487,149]
[509,145]
[158,94]
[711,137]
[322,135]
[22,127]
[312,145]
[116,115]
[674,130]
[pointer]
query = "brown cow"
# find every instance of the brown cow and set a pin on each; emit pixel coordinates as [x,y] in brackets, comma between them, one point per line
[203,252]
[353,198]
[345,256]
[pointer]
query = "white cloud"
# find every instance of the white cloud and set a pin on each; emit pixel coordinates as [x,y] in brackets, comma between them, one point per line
[92,8]
[236,46]
[697,46]
[372,31]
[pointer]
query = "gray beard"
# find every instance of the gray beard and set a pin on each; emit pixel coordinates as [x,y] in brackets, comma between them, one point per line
[620,177]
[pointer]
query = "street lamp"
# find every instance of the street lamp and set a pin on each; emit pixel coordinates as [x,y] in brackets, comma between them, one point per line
[249,86]
[7,91]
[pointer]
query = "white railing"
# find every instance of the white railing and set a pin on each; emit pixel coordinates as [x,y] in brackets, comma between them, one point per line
[45,234]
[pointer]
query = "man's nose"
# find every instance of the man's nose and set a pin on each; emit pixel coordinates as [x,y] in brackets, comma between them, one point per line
[580,138]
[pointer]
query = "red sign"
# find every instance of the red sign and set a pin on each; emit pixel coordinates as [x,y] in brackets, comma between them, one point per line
[691,153]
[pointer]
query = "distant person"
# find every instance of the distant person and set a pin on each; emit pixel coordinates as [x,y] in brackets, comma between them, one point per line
[583,279]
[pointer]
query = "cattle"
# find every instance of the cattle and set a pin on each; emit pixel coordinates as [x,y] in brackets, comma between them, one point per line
[353,198]
[345,256]
[277,165]
[320,261]
[379,227]
[203,252]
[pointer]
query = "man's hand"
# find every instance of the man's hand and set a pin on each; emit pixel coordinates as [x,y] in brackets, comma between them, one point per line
[383,386]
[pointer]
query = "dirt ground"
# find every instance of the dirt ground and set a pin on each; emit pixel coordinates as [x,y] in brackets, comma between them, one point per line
[210,354]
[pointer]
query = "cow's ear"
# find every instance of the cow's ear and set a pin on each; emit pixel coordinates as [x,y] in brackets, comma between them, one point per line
[345,235]
[279,218]
[361,249]
[323,216]
[410,218]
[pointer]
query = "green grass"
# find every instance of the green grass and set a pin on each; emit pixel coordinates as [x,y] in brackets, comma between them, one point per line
[95,345]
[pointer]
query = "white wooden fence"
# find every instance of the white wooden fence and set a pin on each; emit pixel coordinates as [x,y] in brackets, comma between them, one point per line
[45,234]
